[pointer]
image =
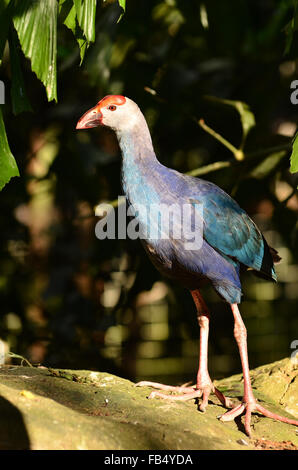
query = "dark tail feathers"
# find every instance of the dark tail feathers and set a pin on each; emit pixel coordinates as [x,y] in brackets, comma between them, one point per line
[275,256]
[267,269]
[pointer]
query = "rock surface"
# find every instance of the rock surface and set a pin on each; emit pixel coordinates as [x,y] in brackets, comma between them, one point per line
[43,408]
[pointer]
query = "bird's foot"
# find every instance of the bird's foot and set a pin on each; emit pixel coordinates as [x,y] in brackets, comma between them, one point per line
[250,406]
[205,385]
[187,392]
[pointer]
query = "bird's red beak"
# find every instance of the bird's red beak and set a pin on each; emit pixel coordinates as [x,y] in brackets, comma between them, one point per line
[92,118]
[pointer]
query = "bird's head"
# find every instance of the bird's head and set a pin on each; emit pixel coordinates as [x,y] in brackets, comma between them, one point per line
[114,111]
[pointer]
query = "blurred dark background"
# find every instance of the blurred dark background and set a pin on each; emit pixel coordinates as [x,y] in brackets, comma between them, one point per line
[69,300]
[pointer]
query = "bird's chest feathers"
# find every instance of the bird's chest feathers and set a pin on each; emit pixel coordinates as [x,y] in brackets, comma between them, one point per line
[146,198]
[137,184]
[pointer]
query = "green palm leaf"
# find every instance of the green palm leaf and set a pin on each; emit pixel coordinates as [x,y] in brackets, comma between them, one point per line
[36,25]
[86,10]
[8,166]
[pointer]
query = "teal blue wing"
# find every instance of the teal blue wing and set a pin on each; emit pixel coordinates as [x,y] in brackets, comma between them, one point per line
[230,231]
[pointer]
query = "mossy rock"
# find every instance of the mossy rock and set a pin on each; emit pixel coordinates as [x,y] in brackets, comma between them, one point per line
[43,408]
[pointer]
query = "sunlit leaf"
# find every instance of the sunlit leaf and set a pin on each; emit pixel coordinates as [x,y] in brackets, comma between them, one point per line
[8,166]
[19,97]
[204,16]
[86,10]
[246,115]
[36,25]
[268,165]
[294,156]
[83,45]
[68,14]
[122,4]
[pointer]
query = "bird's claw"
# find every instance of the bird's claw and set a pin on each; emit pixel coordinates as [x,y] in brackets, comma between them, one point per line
[187,393]
[182,397]
[248,408]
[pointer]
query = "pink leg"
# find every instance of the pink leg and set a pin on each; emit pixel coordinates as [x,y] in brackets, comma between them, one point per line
[204,382]
[204,385]
[249,402]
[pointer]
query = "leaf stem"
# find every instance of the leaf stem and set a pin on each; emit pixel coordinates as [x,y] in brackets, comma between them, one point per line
[238,153]
[208,168]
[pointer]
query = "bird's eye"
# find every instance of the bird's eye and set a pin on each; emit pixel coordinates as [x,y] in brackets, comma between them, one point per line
[112,108]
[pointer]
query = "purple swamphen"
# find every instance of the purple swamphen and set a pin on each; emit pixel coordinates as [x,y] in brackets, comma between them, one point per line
[229,240]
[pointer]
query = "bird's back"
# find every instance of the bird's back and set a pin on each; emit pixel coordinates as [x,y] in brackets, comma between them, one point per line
[227,227]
